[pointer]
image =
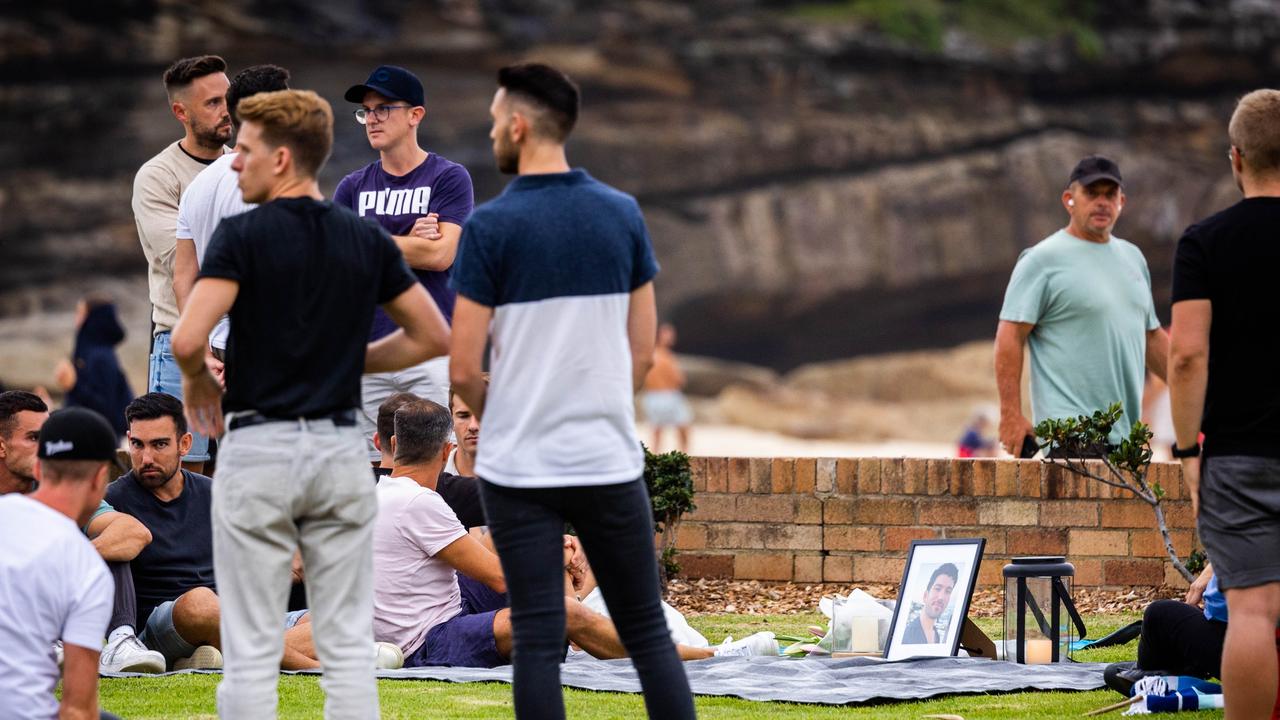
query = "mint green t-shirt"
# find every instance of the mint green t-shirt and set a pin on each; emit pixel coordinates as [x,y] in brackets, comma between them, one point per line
[103,507]
[1091,306]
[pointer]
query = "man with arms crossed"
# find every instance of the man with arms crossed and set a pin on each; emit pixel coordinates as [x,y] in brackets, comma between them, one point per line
[422,199]
[937,595]
[197,91]
[562,267]
[53,585]
[1081,298]
[214,194]
[300,278]
[1223,382]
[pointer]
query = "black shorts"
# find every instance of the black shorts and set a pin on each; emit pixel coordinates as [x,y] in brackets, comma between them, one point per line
[1240,519]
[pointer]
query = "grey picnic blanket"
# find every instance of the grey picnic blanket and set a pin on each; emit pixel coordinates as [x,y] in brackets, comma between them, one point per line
[828,681]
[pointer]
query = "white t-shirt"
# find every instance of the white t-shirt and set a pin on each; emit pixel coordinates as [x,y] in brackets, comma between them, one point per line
[53,586]
[412,590]
[214,194]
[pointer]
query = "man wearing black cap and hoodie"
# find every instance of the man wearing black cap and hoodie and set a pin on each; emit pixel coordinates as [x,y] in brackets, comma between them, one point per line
[53,584]
[422,199]
[1082,299]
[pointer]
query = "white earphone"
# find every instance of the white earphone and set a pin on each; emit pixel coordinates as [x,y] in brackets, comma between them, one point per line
[1071,203]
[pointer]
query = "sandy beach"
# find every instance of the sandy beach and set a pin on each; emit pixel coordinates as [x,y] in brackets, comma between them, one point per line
[736,441]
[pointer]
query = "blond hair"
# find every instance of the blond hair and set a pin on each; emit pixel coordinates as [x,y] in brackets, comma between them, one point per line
[1255,130]
[297,119]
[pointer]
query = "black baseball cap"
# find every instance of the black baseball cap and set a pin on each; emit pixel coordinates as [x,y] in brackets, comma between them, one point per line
[390,81]
[1095,168]
[77,433]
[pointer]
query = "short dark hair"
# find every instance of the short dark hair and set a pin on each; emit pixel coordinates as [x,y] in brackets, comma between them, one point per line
[14,402]
[550,90]
[422,428]
[154,406]
[948,569]
[253,80]
[182,72]
[387,416]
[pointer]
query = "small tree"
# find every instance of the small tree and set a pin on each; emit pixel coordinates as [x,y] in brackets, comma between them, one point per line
[1127,464]
[670,484]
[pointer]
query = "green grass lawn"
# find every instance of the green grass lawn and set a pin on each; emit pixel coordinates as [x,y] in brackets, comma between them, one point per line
[192,696]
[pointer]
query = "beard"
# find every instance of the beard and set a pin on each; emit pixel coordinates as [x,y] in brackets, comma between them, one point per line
[155,476]
[212,136]
[507,157]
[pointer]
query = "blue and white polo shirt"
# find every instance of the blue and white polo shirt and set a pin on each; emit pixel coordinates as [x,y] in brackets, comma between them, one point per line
[557,256]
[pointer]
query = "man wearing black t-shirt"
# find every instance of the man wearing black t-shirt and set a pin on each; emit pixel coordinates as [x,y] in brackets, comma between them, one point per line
[1223,382]
[177,602]
[300,279]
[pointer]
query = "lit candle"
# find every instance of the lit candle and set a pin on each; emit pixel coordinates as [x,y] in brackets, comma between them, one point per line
[866,634]
[1039,651]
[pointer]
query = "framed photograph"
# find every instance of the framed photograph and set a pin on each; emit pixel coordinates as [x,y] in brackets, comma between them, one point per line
[933,599]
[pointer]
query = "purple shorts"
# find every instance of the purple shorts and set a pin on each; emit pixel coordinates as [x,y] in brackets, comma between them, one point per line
[466,639]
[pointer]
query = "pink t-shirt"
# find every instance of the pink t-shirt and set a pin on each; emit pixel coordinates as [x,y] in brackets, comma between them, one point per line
[412,590]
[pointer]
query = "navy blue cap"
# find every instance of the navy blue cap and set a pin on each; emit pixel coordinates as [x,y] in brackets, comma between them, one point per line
[392,82]
[1093,169]
[77,433]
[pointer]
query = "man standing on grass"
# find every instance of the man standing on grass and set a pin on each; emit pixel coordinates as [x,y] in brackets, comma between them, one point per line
[422,199]
[197,91]
[300,278]
[1223,382]
[558,273]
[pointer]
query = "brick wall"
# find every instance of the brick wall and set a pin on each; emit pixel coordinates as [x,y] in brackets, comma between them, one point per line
[852,519]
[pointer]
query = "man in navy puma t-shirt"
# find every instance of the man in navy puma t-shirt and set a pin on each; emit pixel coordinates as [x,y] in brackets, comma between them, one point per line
[422,200]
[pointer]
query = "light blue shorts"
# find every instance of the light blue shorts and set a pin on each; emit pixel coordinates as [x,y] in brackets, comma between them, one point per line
[666,408]
[164,376]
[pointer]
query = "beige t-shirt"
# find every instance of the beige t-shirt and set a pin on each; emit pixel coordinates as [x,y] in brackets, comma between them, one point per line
[157,188]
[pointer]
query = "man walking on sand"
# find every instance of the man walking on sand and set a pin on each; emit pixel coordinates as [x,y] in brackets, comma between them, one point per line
[300,278]
[1223,382]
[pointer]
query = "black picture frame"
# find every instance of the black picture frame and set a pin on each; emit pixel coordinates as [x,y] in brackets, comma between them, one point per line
[928,556]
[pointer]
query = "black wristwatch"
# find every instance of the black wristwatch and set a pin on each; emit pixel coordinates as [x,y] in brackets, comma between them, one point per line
[1190,452]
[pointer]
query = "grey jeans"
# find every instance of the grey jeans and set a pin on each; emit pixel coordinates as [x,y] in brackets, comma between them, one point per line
[283,486]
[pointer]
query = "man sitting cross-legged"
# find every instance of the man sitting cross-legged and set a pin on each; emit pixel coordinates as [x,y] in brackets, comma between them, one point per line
[173,576]
[439,594]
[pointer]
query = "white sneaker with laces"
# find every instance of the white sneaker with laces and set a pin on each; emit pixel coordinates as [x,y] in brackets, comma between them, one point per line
[761,643]
[388,656]
[126,653]
[206,657]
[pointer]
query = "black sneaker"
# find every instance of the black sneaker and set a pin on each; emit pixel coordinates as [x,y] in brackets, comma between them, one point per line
[1122,675]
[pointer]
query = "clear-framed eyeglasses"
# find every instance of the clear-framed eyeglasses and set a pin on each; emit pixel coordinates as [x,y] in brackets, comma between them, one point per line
[380,113]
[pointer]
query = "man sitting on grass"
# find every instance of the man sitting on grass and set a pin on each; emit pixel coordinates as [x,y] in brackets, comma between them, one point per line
[173,576]
[439,594]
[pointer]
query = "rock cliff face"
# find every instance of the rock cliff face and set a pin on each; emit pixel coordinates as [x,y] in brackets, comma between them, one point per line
[814,189]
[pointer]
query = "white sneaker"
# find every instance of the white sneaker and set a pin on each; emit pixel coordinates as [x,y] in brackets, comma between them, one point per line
[762,643]
[206,657]
[388,656]
[126,653]
[58,653]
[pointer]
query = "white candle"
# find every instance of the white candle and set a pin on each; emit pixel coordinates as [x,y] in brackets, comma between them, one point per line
[1039,651]
[866,634]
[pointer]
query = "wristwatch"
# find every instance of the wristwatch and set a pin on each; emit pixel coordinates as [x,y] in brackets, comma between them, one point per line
[1189,452]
